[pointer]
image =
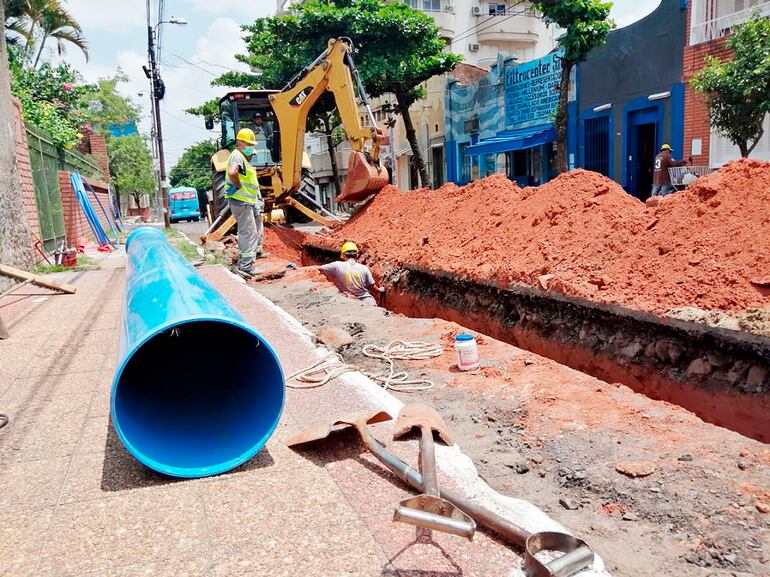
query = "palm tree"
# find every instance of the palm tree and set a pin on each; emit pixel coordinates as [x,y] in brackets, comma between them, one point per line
[15,30]
[38,21]
[58,24]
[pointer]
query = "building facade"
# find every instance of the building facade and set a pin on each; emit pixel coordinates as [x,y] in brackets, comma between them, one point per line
[631,99]
[708,24]
[503,123]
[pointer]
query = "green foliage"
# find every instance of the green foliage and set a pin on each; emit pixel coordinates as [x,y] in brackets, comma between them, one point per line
[398,48]
[586,23]
[38,21]
[103,106]
[209,109]
[194,166]
[738,91]
[50,100]
[130,165]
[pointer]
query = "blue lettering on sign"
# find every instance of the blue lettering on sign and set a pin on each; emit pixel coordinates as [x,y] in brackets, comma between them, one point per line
[532,91]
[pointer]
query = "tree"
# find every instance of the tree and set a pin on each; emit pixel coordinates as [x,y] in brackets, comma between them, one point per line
[105,107]
[398,49]
[37,21]
[737,91]
[58,24]
[15,241]
[194,166]
[586,24]
[51,100]
[131,166]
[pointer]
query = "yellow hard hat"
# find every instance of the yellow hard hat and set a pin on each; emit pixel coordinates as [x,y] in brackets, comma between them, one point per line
[666,147]
[246,135]
[348,247]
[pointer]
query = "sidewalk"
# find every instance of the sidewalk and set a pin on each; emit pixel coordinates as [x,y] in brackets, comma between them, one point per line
[73,502]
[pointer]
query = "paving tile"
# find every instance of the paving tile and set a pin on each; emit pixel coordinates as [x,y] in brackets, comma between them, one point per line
[100,403]
[105,536]
[94,437]
[179,568]
[315,528]
[30,485]
[21,541]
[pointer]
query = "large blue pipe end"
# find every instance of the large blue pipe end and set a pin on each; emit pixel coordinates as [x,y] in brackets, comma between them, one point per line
[197,391]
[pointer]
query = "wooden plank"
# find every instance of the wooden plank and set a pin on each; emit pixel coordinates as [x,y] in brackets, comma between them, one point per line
[307,212]
[14,288]
[222,230]
[36,279]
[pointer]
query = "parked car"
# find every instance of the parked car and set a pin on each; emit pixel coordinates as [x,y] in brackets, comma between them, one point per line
[183,204]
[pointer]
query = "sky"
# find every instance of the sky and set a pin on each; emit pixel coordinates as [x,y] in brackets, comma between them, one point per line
[192,55]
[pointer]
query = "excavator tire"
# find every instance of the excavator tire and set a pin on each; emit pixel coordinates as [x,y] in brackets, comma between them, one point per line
[307,185]
[218,189]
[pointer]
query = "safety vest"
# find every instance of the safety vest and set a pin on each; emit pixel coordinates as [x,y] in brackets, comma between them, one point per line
[249,191]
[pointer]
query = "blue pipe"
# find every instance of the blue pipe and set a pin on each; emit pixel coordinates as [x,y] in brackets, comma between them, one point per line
[197,391]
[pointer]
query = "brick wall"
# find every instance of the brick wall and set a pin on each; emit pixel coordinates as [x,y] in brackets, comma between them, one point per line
[96,145]
[696,117]
[76,226]
[24,168]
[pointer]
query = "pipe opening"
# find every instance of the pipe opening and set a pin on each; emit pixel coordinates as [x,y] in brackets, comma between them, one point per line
[198,399]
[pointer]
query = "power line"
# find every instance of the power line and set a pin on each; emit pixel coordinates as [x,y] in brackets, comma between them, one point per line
[494,22]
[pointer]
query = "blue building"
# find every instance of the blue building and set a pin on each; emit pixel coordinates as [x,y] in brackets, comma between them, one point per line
[503,123]
[631,98]
[625,101]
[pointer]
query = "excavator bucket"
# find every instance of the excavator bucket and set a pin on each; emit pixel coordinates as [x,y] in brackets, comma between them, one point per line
[363,180]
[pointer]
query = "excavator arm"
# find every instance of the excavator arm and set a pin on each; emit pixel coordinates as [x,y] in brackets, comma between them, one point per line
[334,71]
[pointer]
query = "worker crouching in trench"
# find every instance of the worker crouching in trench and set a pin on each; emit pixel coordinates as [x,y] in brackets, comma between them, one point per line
[351,277]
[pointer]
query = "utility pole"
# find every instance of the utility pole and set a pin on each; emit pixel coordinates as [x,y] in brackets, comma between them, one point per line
[158,91]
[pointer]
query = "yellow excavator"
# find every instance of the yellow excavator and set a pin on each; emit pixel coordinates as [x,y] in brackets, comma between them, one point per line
[279,117]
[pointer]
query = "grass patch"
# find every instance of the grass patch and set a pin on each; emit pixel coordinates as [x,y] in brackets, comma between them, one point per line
[84,263]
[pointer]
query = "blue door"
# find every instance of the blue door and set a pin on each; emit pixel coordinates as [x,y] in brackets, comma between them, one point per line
[641,139]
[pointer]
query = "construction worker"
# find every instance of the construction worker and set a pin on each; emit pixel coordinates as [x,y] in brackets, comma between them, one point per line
[661,179]
[351,277]
[245,200]
[263,135]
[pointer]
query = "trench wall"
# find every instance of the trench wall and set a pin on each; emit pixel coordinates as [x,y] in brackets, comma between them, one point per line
[722,376]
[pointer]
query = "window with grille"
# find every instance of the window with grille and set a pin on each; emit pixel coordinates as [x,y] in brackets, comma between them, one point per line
[496,9]
[597,145]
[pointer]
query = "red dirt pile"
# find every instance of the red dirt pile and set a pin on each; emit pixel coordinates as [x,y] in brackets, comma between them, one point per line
[285,243]
[582,234]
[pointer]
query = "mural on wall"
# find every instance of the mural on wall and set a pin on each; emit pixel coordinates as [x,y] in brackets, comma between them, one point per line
[532,91]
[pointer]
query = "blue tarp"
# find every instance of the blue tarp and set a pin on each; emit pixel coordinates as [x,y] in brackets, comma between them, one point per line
[514,140]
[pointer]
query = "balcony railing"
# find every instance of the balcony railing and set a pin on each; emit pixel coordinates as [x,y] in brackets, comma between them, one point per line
[713,29]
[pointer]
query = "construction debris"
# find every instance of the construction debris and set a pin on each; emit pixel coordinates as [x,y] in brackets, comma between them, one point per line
[36,279]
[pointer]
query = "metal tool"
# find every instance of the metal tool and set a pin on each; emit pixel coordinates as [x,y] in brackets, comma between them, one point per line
[577,554]
[429,510]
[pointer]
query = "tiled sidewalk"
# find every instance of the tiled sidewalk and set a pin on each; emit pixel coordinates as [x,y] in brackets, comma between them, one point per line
[74,503]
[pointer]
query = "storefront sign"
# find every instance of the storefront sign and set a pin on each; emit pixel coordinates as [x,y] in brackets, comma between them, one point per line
[532,91]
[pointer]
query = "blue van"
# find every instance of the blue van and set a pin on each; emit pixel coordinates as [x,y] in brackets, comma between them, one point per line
[183,204]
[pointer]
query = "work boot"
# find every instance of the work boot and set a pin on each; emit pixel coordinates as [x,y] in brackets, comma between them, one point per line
[247,274]
[262,254]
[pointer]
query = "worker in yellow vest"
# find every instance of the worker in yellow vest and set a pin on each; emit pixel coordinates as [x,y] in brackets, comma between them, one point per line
[245,200]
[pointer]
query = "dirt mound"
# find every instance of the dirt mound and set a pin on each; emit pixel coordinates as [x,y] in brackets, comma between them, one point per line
[285,243]
[581,234]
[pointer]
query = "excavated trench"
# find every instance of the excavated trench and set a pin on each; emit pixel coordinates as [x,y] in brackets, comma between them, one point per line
[722,376]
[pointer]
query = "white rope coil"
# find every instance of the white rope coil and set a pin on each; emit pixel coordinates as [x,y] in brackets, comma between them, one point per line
[332,366]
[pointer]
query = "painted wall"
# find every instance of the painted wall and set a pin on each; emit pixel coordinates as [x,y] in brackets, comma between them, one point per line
[639,60]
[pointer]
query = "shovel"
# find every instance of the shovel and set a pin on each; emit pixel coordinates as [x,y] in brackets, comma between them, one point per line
[429,510]
[577,554]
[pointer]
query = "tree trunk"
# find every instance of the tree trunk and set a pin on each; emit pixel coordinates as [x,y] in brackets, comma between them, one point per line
[15,237]
[411,136]
[743,146]
[751,148]
[40,52]
[328,129]
[561,118]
